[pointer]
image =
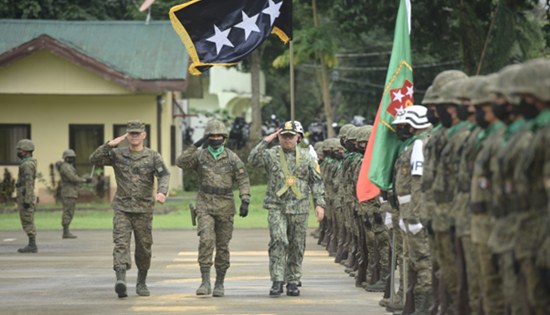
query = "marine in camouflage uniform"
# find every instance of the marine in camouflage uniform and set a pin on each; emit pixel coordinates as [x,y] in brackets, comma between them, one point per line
[412,127]
[70,183]
[481,197]
[218,169]
[292,176]
[26,198]
[135,170]
[532,184]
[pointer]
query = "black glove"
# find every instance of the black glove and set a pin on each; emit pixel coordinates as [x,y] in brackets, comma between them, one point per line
[243,211]
[378,218]
[26,205]
[200,142]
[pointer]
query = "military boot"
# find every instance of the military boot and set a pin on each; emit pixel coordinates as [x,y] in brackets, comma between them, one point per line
[120,285]
[397,304]
[378,286]
[276,288]
[422,302]
[31,247]
[218,286]
[141,286]
[292,290]
[205,288]
[66,233]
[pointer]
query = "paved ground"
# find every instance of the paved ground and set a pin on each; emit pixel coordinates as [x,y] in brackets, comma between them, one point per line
[76,277]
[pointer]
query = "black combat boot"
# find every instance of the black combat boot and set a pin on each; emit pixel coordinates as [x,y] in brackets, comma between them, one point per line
[66,233]
[120,285]
[292,290]
[276,288]
[141,286]
[205,287]
[422,303]
[31,247]
[218,286]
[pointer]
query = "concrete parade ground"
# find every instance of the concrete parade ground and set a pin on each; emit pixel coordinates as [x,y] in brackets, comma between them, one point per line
[76,277]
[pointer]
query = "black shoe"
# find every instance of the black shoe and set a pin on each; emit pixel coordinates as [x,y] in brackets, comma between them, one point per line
[276,288]
[292,290]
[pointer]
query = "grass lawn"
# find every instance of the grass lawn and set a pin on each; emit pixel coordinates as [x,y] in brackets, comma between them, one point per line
[99,215]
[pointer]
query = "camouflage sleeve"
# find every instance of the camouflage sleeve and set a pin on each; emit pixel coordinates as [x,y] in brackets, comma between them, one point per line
[316,184]
[258,155]
[241,177]
[28,171]
[69,174]
[188,159]
[416,195]
[162,174]
[102,155]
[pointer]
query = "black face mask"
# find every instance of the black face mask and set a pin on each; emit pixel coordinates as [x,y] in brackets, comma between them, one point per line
[431,117]
[342,142]
[20,155]
[338,155]
[502,112]
[361,149]
[350,146]
[403,133]
[463,113]
[528,111]
[444,116]
[480,118]
[70,160]
[215,143]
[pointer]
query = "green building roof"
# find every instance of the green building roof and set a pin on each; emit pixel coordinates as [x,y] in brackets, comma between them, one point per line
[141,51]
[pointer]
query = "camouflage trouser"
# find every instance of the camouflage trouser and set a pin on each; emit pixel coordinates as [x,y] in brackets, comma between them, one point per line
[510,282]
[382,242]
[472,274]
[69,205]
[124,223]
[287,245]
[378,245]
[491,282]
[27,219]
[420,260]
[215,231]
[446,256]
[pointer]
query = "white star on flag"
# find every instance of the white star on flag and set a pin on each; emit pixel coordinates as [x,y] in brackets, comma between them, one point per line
[400,111]
[220,39]
[273,10]
[248,24]
[410,91]
[398,96]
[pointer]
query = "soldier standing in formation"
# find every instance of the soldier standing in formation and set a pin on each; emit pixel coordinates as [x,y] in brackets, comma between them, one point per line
[292,175]
[26,198]
[135,169]
[218,169]
[70,183]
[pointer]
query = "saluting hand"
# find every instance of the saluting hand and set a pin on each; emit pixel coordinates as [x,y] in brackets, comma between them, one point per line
[116,141]
[272,136]
[161,198]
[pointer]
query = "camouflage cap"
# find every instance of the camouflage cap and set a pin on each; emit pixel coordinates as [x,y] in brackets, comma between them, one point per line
[292,127]
[135,126]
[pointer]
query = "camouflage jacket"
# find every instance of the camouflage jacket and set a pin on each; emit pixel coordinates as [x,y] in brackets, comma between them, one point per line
[25,181]
[70,181]
[135,176]
[432,152]
[307,179]
[216,178]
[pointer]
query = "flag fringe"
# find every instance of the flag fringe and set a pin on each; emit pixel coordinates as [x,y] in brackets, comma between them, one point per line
[281,34]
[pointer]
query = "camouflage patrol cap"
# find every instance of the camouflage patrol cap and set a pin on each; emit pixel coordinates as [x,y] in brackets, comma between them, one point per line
[450,92]
[364,133]
[344,130]
[68,153]
[25,145]
[504,81]
[443,78]
[135,126]
[216,127]
[533,78]
[481,93]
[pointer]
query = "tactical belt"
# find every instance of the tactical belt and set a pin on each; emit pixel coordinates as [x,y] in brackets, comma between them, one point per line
[216,190]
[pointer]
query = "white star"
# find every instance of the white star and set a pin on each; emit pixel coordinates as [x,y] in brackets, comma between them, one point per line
[248,24]
[410,91]
[273,10]
[398,96]
[220,39]
[400,111]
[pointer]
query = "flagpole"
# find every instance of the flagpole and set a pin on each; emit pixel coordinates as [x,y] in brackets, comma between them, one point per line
[291,52]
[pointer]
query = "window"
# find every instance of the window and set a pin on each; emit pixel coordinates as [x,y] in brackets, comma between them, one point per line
[84,139]
[120,129]
[10,134]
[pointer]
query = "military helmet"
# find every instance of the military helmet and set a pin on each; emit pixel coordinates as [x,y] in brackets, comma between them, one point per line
[25,145]
[429,96]
[504,81]
[216,127]
[344,130]
[481,93]
[319,147]
[68,153]
[352,133]
[533,78]
[450,92]
[443,78]
[467,87]
[364,133]
[415,116]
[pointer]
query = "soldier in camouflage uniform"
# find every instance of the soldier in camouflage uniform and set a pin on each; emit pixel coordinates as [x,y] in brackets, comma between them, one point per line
[218,169]
[531,182]
[135,169]
[70,183]
[292,176]
[412,127]
[25,192]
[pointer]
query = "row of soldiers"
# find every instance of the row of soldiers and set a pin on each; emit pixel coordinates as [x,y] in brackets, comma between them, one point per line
[468,214]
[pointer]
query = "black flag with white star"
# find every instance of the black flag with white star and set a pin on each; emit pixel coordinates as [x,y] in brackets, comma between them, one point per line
[223,32]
